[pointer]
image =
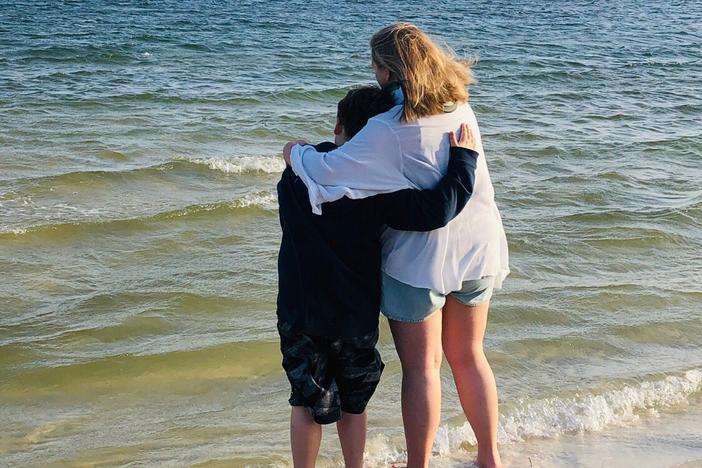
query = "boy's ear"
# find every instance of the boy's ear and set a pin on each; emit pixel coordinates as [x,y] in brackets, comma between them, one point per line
[338,128]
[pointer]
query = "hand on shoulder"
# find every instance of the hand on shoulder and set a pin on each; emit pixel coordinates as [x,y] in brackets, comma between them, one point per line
[465,140]
[287,149]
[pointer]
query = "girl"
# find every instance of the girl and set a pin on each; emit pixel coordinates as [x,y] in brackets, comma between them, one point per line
[436,286]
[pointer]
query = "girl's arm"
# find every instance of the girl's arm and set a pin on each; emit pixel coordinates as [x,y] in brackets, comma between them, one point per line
[369,164]
[429,209]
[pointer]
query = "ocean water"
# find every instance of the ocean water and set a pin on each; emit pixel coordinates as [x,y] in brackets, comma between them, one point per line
[139,151]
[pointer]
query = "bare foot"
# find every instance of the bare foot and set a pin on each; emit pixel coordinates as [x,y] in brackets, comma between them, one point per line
[493,464]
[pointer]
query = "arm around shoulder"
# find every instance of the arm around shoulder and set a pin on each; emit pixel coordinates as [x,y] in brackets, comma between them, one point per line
[368,164]
[429,209]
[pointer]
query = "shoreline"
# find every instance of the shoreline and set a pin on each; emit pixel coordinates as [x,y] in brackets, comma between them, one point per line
[672,439]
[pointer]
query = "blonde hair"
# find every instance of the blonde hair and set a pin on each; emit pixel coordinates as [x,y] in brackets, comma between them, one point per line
[429,76]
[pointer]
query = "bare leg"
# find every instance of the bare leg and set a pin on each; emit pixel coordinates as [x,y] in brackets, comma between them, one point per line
[463,332]
[305,438]
[352,435]
[419,347]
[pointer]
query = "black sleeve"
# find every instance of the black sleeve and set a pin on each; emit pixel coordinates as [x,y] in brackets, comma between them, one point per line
[429,209]
[325,147]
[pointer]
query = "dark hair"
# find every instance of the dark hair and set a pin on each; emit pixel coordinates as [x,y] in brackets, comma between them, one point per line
[359,105]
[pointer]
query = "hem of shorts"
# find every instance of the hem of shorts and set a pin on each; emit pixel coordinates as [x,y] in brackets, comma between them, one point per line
[500,275]
[355,410]
[410,321]
[474,305]
[311,413]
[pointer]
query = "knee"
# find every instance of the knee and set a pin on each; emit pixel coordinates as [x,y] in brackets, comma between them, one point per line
[429,366]
[464,356]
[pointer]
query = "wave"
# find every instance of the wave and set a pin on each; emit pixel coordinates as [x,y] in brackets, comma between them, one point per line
[166,97]
[229,165]
[93,54]
[262,200]
[677,333]
[243,164]
[553,417]
[265,200]
[595,412]
[143,369]
[676,214]
[326,95]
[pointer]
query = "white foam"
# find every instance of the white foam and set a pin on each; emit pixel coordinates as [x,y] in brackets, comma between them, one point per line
[244,164]
[31,215]
[550,418]
[16,231]
[265,200]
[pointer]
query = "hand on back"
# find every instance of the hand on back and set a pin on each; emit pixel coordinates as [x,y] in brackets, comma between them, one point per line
[465,140]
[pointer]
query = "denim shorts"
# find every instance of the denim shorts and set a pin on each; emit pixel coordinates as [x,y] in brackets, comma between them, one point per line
[405,303]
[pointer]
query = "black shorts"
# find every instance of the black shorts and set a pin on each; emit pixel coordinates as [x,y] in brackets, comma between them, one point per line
[330,375]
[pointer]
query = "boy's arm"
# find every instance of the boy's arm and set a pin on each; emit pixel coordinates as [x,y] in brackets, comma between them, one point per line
[429,209]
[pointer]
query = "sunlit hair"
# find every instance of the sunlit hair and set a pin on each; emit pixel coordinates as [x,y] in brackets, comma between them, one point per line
[428,75]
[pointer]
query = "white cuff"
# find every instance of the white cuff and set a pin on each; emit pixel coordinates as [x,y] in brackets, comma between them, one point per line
[298,168]
[296,159]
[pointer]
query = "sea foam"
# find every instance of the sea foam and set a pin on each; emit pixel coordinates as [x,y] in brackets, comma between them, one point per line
[263,199]
[266,200]
[553,417]
[244,164]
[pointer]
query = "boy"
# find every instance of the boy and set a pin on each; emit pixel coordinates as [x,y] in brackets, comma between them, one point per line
[329,284]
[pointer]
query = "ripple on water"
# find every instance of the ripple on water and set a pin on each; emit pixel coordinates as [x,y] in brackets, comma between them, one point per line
[684,333]
[139,232]
[152,375]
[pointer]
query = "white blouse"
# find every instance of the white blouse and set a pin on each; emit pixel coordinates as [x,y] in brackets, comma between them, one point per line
[389,155]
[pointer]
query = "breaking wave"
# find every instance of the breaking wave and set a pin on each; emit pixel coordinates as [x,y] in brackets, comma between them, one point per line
[553,417]
[244,164]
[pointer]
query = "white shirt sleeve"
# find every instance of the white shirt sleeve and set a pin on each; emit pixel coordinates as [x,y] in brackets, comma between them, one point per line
[369,164]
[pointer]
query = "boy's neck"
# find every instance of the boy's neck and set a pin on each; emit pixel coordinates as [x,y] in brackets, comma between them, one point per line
[340,138]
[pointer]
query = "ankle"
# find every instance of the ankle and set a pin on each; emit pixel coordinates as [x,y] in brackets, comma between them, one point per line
[489,458]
